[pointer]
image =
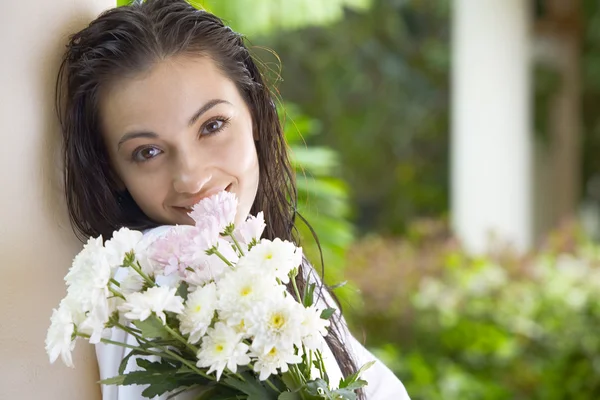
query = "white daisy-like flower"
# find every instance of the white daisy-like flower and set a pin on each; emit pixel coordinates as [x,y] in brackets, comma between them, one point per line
[251,229]
[87,280]
[132,282]
[222,347]
[222,206]
[199,312]
[273,358]
[313,328]
[275,322]
[276,258]
[60,334]
[94,324]
[123,241]
[240,290]
[157,300]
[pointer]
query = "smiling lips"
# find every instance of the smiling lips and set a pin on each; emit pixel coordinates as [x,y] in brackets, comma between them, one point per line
[195,200]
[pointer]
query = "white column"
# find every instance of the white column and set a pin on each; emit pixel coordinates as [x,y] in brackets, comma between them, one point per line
[491,140]
[36,241]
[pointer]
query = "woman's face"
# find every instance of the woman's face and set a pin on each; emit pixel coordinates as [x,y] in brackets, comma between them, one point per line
[177,133]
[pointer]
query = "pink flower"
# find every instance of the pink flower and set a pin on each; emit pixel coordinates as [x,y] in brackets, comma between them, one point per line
[251,229]
[170,249]
[222,206]
[207,233]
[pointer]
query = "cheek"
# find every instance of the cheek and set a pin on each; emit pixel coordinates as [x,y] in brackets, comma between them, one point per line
[241,162]
[148,191]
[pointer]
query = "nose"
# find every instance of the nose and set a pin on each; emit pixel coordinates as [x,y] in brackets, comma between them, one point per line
[190,176]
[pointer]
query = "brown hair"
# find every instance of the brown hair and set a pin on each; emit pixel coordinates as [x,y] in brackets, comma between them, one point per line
[125,41]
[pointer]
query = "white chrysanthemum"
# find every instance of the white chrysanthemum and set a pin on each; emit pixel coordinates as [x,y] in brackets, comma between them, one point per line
[276,258]
[94,324]
[240,290]
[132,282]
[87,280]
[313,328]
[222,347]
[60,334]
[157,300]
[274,357]
[222,206]
[275,322]
[199,311]
[123,241]
[251,229]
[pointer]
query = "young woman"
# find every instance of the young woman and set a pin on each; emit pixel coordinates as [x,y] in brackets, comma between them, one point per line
[160,106]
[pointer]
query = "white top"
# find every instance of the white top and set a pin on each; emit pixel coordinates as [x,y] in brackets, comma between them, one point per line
[383,384]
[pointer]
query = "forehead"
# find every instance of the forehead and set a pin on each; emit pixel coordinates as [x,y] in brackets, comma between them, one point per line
[165,96]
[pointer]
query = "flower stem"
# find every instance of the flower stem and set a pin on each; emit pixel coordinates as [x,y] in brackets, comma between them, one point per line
[237,244]
[128,346]
[296,290]
[272,386]
[321,364]
[221,256]
[189,364]
[181,339]
[138,268]
[116,292]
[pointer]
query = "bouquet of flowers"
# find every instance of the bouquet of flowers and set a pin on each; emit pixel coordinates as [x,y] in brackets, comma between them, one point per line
[208,304]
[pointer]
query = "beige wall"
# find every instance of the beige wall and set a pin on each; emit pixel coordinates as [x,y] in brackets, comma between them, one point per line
[36,242]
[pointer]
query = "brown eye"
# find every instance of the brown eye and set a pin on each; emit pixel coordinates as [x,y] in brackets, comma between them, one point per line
[213,126]
[146,153]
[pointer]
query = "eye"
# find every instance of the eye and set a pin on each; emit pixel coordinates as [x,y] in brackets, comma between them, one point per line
[145,153]
[214,126]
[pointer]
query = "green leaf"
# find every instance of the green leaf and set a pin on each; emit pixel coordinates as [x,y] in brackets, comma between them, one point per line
[161,366]
[357,384]
[152,327]
[289,381]
[309,292]
[345,394]
[115,380]
[327,313]
[354,377]
[182,290]
[319,388]
[252,387]
[289,396]
[125,359]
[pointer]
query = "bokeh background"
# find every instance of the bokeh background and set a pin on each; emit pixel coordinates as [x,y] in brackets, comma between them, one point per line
[448,158]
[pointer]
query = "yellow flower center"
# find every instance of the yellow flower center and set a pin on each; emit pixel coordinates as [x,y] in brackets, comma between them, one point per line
[198,308]
[273,351]
[219,348]
[246,291]
[277,321]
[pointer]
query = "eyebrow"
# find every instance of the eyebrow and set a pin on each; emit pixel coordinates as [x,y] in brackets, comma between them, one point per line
[147,134]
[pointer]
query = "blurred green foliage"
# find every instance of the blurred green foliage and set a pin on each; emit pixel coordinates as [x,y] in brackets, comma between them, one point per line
[453,326]
[378,81]
[260,17]
[322,200]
